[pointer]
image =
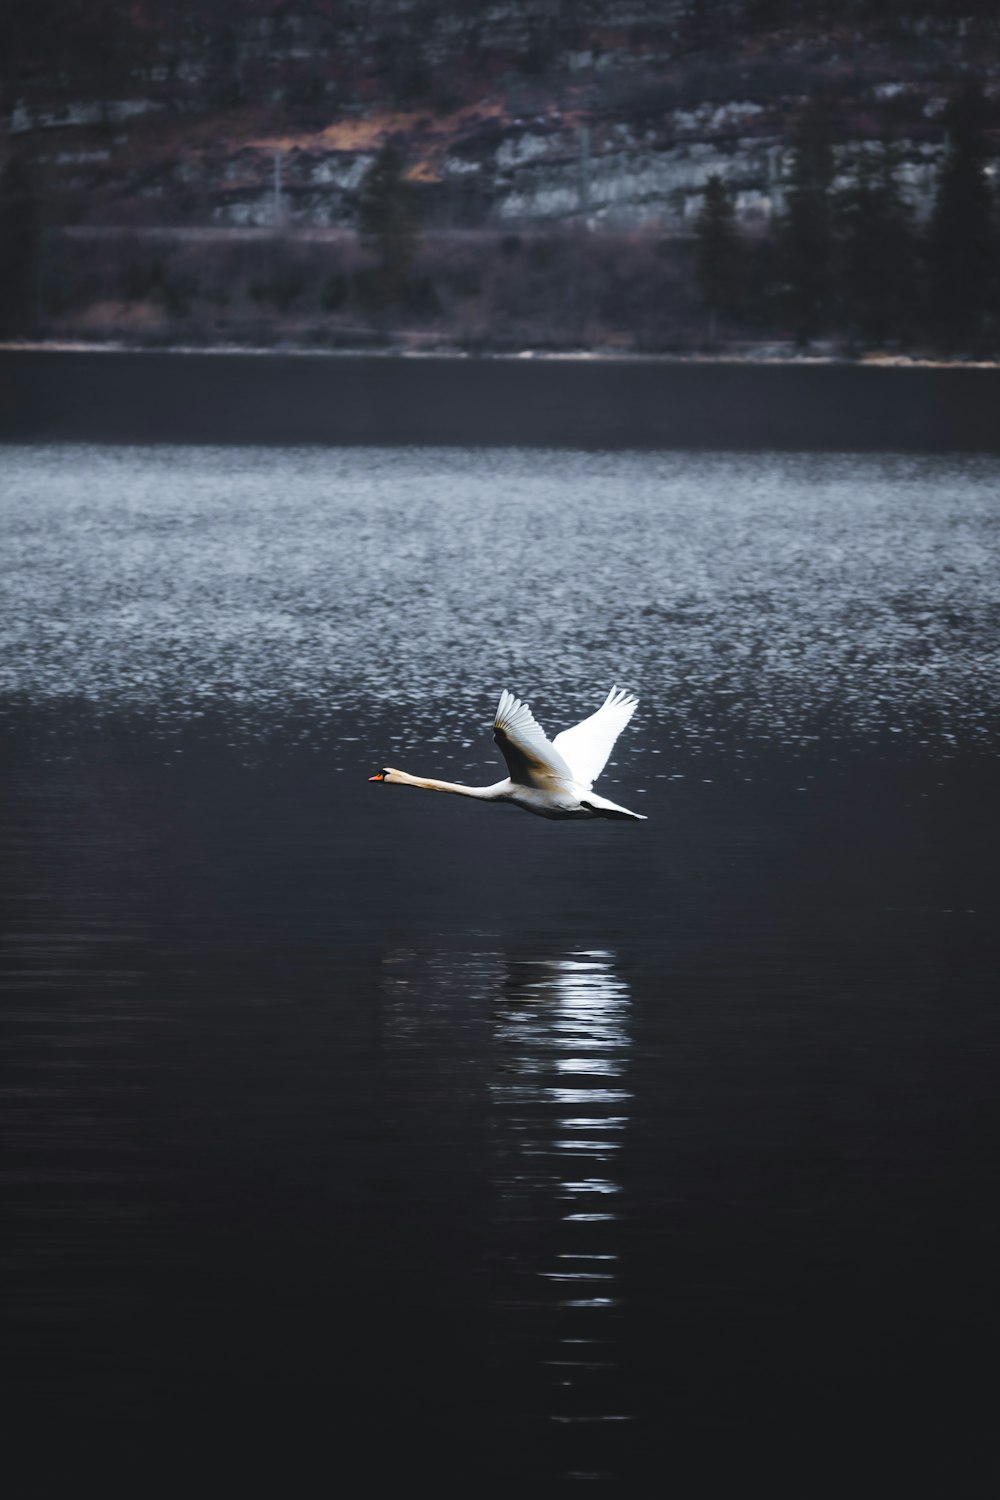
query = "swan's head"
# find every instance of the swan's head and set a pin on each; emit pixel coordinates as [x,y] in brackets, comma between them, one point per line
[386,774]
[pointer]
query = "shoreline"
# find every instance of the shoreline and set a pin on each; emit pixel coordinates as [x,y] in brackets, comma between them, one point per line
[764,355]
[532,399]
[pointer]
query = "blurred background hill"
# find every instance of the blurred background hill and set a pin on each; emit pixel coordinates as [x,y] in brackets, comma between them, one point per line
[641,176]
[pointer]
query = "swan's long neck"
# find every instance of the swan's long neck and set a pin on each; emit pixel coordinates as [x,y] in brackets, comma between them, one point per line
[485,793]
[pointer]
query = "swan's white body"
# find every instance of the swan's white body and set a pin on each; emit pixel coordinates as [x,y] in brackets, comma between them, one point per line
[551,778]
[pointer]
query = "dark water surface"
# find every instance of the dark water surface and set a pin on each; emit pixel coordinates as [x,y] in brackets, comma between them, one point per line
[358,1136]
[232,396]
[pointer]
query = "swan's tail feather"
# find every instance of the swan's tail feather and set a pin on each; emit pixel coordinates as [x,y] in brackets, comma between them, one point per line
[602,808]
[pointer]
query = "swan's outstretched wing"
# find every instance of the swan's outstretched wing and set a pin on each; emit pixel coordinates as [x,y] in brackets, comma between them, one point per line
[532,759]
[587,745]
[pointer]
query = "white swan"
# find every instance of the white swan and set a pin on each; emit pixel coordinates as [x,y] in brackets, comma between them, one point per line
[552,778]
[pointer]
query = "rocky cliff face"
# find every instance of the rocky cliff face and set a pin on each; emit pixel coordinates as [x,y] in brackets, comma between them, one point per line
[508,115]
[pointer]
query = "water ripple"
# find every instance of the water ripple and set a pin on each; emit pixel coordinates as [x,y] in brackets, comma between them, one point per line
[773,597]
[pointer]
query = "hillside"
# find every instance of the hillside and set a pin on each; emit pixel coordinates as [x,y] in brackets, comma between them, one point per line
[531,121]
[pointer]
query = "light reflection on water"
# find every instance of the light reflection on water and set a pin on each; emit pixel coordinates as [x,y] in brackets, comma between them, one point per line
[783,597]
[558,1029]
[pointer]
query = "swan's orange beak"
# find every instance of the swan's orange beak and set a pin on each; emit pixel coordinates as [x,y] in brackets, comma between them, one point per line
[379,777]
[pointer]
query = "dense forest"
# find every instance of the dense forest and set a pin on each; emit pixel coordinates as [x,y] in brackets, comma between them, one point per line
[851,260]
[666,175]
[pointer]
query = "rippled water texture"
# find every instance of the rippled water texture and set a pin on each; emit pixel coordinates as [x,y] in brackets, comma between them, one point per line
[774,597]
[360,1140]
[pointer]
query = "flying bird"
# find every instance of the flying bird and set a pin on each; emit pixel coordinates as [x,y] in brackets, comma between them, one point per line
[552,778]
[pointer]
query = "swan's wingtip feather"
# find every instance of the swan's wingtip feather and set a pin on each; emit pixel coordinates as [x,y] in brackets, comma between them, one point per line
[512,712]
[621,698]
[506,708]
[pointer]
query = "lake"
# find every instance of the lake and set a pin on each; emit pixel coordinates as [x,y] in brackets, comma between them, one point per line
[357,1131]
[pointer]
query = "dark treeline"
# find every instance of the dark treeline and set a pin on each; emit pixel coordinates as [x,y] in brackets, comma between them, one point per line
[19,248]
[844,262]
[544,289]
[848,261]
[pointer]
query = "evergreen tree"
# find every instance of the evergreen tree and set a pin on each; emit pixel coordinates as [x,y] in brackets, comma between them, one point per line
[961,239]
[387,224]
[806,229]
[875,260]
[19,247]
[717,252]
